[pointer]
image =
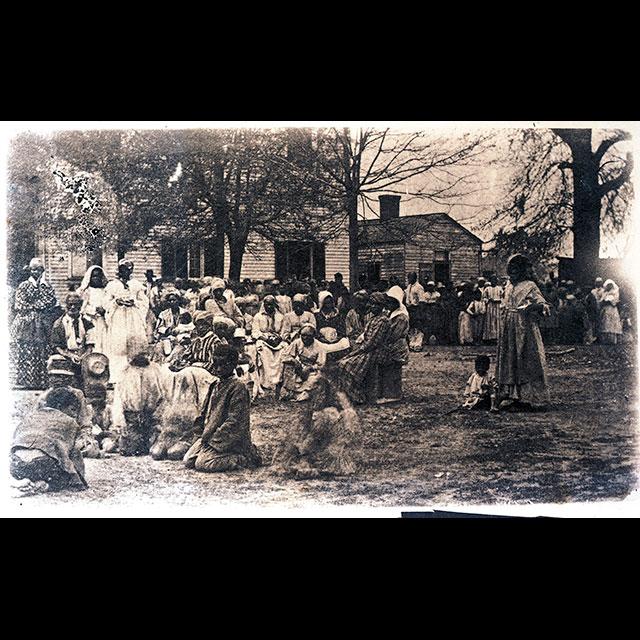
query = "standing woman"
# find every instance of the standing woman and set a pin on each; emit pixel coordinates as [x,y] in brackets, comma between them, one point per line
[126,313]
[610,324]
[94,302]
[492,296]
[358,371]
[397,351]
[521,364]
[33,305]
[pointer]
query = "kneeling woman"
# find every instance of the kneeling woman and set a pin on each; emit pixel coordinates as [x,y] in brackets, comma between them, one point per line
[303,360]
[397,351]
[225,443]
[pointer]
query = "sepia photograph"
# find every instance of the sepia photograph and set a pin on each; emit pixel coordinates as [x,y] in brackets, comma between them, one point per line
[335,319]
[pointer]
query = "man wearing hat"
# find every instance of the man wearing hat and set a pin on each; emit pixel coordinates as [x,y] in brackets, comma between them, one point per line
[71,336]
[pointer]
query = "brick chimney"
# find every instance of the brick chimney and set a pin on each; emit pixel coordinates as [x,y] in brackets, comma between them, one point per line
[389,207]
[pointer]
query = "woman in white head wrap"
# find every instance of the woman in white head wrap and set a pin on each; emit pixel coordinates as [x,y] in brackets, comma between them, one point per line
[220,303]
[610,323]
[94,302]
[396,353]
[33,304]
[126,317]
[297,317]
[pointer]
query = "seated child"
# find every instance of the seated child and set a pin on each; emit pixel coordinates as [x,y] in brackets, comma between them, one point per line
[185,326]
[225,440]
[45,454]
[71,337]
[480,391]
[303,360]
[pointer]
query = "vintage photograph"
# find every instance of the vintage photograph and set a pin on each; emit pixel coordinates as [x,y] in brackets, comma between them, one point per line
[309,318]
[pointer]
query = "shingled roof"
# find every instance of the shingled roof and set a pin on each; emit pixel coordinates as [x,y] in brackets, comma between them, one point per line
[405,228]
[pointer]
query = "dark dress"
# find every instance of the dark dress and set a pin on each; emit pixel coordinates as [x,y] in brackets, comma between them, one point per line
[34,306]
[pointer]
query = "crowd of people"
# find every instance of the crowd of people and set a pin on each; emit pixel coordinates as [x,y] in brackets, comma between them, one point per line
[187,358]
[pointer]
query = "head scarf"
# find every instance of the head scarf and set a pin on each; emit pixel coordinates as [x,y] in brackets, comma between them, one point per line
[322,296]
[36,263]
[202,315]
[377,298]
[614,294]
[218,283]
[397,294]
[170,291]
[125,261]
[299,297]
[307,329]
[84,285]
[272,300]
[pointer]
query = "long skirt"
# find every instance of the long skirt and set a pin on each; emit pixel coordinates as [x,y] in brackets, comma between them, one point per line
[477,324]
[295,386]
[29,364]
[269,365]
[126,331]
[390,381]
[521,362]
[465,328]
[491,321]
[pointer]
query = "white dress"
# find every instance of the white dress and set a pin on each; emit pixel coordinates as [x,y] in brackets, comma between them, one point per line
[126,326]
[92,298]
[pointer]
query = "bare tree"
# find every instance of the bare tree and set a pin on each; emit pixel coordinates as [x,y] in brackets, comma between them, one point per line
[349,168]
[561,186]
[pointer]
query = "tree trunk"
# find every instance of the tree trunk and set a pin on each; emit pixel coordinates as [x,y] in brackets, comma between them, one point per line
[586,204]
[352,208]
[236,253]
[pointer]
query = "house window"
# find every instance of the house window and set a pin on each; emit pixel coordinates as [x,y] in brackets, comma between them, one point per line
[370,272]
[181,259]
[441,266]
[299,260]
[393,265]
[425,272]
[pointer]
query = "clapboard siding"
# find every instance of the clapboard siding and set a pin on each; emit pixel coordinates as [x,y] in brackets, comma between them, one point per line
[336,257]
[259,260]
[390,256]
[144,255]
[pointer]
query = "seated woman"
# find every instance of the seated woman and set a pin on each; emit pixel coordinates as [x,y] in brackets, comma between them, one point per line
[303,360]
[225,440]
[297,318]
[358,371]
[332,332]
[357,317]
[45,453]
[267,332]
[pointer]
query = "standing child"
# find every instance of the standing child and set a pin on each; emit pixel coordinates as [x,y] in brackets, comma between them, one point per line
[521,364]
[476,310]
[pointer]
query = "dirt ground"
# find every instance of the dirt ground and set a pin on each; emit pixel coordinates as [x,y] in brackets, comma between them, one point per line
[585,448]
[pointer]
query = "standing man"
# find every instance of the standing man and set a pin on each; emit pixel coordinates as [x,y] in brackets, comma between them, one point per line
[340,293]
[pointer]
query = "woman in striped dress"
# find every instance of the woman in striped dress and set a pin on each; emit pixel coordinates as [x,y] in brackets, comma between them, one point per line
[358,371]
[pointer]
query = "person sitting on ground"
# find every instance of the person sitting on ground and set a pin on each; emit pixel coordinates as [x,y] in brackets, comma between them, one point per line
[71,336]
[480,390]
[297,318]
[357,317]
[267,329]
[225,441]
[61,375]
[166,323]
[221,303]
[45,453]
[330,325]
[302,360]
[200,353]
